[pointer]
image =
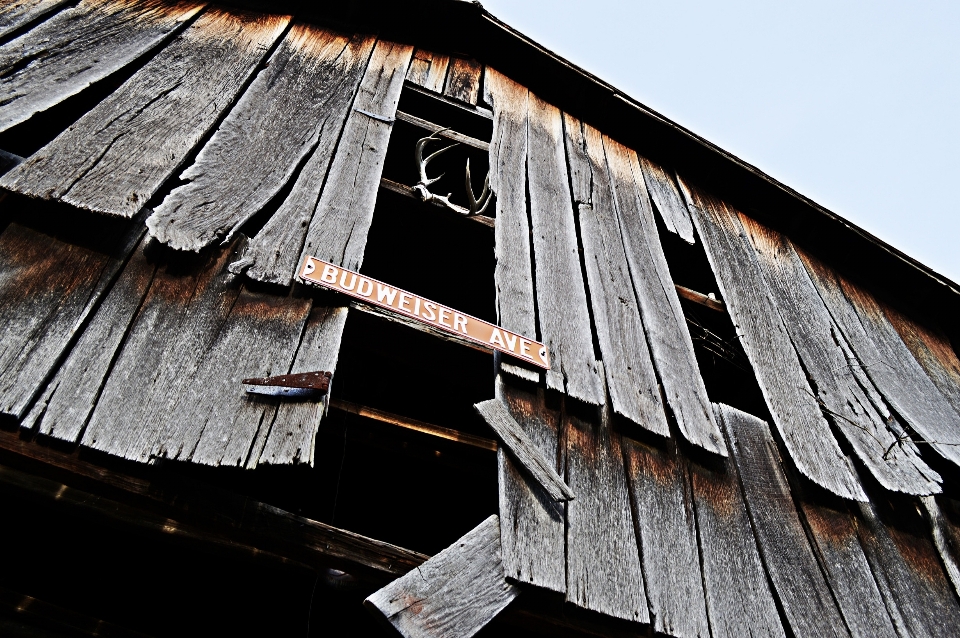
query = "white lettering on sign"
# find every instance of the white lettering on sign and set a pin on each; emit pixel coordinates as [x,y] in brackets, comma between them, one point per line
[423,310]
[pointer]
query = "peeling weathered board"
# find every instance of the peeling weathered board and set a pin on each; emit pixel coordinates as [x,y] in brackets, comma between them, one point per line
[803,593]
[739,601]
[933,351]
[513,272]
[631,379]
[297,101]
[667,533]
[817,338]
[603,557]
[428,70]
[882,355]
[79,46]
[17,13]
[118,154]
[454,594]
[945,538]
[766,342]
[663,320]
[666,195]
[48,288]
[562,312]
[463,80]
[532,524]
[293,434]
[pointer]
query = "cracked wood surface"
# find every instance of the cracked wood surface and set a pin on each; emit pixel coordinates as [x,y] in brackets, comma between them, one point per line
[453,594]
[17,13]
[666,195]
[946,538]
[119,154]
[296,103]
[463,80]
[796,413]
[428,70]
[79,46]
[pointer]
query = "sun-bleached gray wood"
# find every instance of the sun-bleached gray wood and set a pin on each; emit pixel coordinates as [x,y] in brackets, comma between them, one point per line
[453,594]
[428,70]
[765,340]
[822,349]
[562,312]
[463,80]
[664,323]
[945,538]
[631,379]
[277,123]
[79,46]
[17,13]
[666,195]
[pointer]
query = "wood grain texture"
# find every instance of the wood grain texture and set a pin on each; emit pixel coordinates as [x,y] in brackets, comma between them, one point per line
[670,204]
[665,522]
[531,523]
[946,538]
[630,375]
[603,557]
[463,80]
[767,343]
[18,13]
[116,157]
[453,594]
[48,289]
[664,323]
[882,356]
[293,104]
[79,46]
[823,352]
[428,70]
[562,312]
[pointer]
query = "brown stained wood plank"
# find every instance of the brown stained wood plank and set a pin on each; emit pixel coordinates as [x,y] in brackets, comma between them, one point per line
[603,557]
[563,315]
[428,70]
[664,323]
[293,108]
[666,195]
[531,523]
[631,379]
[666,527]
[767,343]
[707,301]
[882,356]
[79,46]
[933,352]
[804,594]
[817,340]
[116,157]
[48,289]
[17,13]
[453,594]
[463,80]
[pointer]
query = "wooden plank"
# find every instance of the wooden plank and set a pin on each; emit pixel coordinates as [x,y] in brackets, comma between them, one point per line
[119,154]
[428,70]
[293,108]
[933,352]
[630,375]
[765,340]
[946,538]
[804,594]
[666,195]
[603,557]
[15,14]
[563,315]
[442,131]
[463,80]
[707,301]
[666,527]
[79,46]
[532,524]
[882,356]
[453,594]
[817,340]
[664,323]
[407,191]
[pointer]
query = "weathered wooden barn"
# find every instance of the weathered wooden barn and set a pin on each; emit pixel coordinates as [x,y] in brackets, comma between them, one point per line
[625,385]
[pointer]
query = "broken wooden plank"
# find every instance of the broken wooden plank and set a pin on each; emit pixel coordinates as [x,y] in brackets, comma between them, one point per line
[119,154]
[664,322]
[442,131]
[19,13]
[455,593]
[562,312]
[894,462]
[79,46]
[532,523]
[428,70]
[293,108]
[463,80]
[666,195]
[603,557]
[666,528]
[765,340]
[631,379]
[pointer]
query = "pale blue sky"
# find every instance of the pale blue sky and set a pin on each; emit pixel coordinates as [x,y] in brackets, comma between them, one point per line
[855,104]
